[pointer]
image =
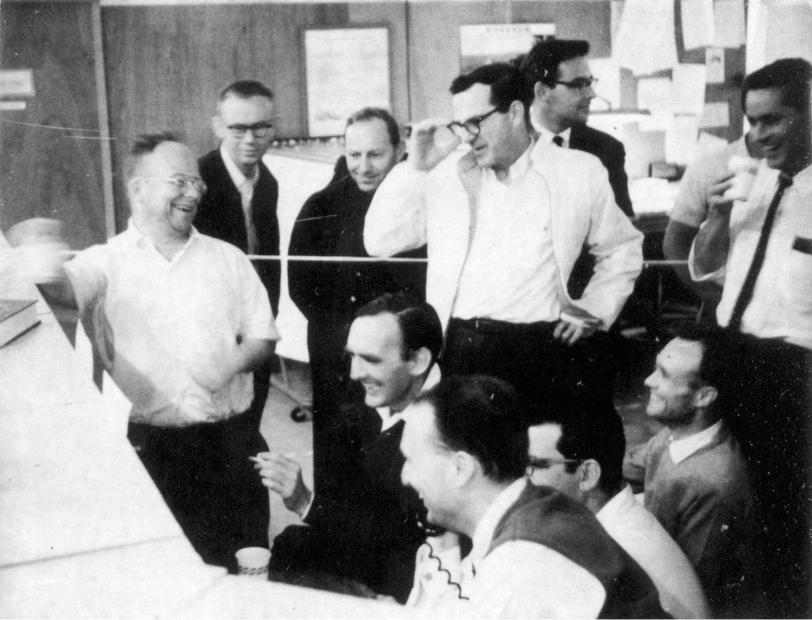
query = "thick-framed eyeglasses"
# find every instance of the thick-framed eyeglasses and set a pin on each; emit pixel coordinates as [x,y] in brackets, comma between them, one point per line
[260,130]
[470,127]
[536,463]
[181,182]
[579,84]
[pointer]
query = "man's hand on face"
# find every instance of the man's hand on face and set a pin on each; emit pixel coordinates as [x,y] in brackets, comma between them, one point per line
[430,143]
[283,475]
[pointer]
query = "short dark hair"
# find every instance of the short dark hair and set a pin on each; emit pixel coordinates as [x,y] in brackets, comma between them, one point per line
[419,324]
[595,437]
[541,63]
[481,415]
[143,145]
[367,114]
[245,89]
[790,75]
[506,82]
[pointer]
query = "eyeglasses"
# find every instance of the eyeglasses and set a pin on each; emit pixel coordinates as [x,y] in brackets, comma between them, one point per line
[579,84]
[260,130]
[534,463]
[181,182]
[470,127]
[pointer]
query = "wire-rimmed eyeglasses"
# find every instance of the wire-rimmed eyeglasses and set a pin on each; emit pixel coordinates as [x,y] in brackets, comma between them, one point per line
[539,463]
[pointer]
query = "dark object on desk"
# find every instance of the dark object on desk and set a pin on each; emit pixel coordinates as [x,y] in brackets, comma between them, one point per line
[17,316]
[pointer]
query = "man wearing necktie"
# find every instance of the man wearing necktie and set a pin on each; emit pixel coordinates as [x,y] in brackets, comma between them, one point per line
[240,204]
[763,247]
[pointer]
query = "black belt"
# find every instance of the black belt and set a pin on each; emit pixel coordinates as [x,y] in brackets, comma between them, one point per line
[490,326]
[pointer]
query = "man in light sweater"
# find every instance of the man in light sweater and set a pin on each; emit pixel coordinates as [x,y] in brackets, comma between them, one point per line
[694,474]
[584,461]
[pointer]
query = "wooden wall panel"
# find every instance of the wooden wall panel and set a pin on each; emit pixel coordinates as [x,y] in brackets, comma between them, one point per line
[434,39]
[166,64]
[46,172]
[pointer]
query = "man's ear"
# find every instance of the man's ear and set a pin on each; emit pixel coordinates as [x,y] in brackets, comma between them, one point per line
[465,468]
[517,111]
[540,90]
[705,396]
[589,475]
[421,361]
[219,127]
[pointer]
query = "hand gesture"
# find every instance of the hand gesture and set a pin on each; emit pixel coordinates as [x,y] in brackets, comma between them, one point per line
[283,475]
[575,323]
[428,146]
[718,204]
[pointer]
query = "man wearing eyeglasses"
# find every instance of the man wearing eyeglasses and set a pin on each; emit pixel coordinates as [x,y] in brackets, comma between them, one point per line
[505,218]
[584,461]
[180,320]
[240,204]
[562,83]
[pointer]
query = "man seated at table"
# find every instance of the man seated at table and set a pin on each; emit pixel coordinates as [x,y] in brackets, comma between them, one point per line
[536,553]
[584,460]
[365,525]
[179,320]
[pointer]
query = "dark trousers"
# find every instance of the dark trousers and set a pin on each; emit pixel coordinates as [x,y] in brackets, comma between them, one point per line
[206,479]
[332,388]
[771,419]
[547,373]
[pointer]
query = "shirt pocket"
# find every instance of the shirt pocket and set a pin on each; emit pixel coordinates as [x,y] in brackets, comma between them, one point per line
[797,275]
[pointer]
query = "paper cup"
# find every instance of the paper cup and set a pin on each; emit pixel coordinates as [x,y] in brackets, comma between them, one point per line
[744,169]
[253,561]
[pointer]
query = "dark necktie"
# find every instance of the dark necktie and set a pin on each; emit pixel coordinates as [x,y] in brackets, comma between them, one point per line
[746,293]
[558,140]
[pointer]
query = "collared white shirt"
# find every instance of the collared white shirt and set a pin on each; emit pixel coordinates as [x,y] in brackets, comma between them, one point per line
[781,306]
[157,320]
[245,185]
[640,535]
[518,579]
[510,272]
[681,449]
[545,135]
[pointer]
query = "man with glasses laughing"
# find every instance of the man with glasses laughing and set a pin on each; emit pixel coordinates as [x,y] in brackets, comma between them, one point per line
[180,320]
[505,217]
[240,204]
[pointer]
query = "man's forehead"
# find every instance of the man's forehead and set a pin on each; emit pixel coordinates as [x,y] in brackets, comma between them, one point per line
[362,134]
[170,158]
[246,109]
[420,426]
[681,356]
[573,68]
[378,331]
[472,102]
[543,440]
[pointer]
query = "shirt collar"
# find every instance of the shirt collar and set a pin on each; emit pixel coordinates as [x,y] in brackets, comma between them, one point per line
[547,136]
[237,177]
[389,419]
[803,178]
[487,524]
[518,168]
[681,449]
[133,237]
[617,505]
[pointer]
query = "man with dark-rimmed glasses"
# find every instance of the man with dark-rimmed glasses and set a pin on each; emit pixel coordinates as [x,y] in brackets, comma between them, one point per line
[505,218]
[240,204]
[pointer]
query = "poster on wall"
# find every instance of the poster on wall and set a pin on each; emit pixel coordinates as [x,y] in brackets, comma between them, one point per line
[487,43]
[346,69]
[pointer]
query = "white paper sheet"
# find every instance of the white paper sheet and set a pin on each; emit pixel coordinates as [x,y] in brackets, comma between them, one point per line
[715,65]
[715,114]
[654,95]
[645,39]
[680,139]
[697,23]
[688,89]
[728,23]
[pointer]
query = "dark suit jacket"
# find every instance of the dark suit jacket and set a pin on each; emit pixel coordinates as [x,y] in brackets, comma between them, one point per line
[612,156]
[220,215]
[364,526]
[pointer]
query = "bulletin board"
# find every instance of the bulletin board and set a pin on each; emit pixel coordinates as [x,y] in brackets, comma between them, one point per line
[345,69]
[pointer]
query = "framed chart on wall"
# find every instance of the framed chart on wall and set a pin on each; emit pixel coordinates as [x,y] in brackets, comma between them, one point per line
[345,69]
